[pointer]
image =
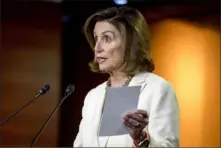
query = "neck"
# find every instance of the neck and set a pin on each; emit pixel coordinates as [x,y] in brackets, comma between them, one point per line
[118,78]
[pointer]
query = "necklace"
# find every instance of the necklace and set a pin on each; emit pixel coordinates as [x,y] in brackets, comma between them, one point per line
[126,83]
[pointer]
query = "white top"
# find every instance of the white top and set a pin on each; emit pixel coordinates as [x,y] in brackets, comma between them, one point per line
[157,98]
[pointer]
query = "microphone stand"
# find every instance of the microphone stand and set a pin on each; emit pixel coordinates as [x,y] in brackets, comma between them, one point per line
[18,110]
[49,119]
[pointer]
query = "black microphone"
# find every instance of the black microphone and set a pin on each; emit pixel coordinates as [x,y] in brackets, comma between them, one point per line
[42,91]
[68,92]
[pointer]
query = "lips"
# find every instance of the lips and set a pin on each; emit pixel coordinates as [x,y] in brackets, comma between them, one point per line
[101,59]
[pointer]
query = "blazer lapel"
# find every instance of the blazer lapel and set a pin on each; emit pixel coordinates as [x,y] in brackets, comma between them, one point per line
[139,79]
[100,97]
[99,106]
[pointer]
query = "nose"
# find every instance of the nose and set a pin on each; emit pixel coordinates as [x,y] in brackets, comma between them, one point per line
[98,47]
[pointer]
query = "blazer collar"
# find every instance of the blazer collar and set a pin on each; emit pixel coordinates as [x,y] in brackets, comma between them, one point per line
[139,78]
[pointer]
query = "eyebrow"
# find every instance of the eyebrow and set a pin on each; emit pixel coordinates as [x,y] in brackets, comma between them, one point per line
[107,32]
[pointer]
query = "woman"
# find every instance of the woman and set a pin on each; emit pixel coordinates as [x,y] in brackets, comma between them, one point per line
[120,40]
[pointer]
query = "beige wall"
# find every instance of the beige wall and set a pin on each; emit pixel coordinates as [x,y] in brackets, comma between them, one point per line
[30,58]
[188,55]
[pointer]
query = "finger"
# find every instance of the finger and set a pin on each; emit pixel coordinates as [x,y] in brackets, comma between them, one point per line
[138,118]
[131,121]
[138,111]
[128,124]
[134,128]
[129,112]
[143,123]
[141,112]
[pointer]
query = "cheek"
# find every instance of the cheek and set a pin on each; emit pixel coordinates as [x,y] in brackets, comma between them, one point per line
[109,51]
[117,57]
[115,54]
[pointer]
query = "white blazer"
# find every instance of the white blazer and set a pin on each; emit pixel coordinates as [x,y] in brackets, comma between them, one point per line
[156,97]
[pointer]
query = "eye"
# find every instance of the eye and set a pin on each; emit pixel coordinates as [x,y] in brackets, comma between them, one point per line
[95,38]
[107,39]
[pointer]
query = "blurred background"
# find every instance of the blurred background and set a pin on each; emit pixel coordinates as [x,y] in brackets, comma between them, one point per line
[42,43]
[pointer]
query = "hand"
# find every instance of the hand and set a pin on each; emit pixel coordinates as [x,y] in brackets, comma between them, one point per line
[135,122]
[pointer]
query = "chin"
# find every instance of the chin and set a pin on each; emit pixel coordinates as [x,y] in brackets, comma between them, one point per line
[105,69]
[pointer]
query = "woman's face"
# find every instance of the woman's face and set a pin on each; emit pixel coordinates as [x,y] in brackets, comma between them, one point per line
[109,47]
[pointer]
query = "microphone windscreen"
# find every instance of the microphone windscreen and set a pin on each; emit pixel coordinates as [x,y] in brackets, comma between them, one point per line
[70,89]
[45,89]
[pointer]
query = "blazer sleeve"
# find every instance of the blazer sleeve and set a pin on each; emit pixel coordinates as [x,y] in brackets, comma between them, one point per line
[163,126]
[78,140]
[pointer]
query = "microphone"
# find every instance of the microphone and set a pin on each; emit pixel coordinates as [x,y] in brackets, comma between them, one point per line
[68,92]
[42,91]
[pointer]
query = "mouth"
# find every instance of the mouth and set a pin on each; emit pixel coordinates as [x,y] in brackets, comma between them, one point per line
[101,60]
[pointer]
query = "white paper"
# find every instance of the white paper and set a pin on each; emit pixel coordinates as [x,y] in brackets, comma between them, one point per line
[117,102]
